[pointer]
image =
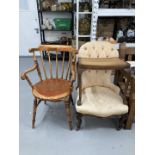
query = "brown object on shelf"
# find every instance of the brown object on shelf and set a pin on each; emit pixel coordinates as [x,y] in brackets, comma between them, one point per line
[105,28]
[84,26]
[56,87]
[66,6]
[84,7]
[97,94]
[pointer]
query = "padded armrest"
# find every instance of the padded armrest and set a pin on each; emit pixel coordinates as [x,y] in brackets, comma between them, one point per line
[103,63]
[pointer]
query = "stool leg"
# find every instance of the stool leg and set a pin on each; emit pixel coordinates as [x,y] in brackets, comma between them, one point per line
[69,114]
[34,112]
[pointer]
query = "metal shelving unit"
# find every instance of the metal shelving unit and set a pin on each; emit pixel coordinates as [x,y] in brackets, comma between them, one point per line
[77,24]
[40,15]
[100,12]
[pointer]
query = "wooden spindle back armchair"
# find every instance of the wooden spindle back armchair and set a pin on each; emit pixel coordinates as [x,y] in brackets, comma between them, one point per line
[56,77]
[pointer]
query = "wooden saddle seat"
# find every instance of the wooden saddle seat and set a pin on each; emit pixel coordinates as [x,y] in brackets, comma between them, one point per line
[52,89]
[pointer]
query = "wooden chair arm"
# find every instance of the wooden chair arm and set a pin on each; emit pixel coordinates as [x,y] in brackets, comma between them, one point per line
[127,86]
[132,93]
[23,75]
[123,82]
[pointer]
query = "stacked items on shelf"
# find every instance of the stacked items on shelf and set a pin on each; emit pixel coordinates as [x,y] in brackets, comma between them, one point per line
[104,4]
[122,29]
[84,25]
[84,6]
[105,27]
[57,24]
[125,30]
[54,16]
[83,22]
[117,4]
[53,5]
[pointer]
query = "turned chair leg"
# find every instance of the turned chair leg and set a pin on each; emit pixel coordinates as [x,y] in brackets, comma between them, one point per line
[130,119]
[69,114]
[79,120]
[122,121]
[35,104]
[71,99]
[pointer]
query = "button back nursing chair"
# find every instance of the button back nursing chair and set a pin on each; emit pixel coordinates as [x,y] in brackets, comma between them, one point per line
[97,95]
[57,86]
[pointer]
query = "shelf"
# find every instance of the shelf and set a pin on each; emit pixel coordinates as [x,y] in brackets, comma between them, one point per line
[84,36]
[116,12]
[83,13]
[55,11]
[55,30]
[126,44]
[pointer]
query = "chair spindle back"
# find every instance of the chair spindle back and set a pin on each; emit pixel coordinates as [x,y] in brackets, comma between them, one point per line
[63,68]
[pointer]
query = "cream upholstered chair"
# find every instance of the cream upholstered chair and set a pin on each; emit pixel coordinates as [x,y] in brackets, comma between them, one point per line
[100,97]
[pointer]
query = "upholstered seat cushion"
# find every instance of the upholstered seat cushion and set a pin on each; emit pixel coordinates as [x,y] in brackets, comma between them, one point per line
[102,102]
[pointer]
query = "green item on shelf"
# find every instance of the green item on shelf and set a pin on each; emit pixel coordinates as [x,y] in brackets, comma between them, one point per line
[62,23]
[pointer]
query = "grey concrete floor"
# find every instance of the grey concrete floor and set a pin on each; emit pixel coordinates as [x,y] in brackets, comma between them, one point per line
[52,136]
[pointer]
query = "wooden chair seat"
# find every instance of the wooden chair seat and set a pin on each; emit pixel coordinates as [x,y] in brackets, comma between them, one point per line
[52,89]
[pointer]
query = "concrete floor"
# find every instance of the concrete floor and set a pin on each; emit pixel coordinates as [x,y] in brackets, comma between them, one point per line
[52,136]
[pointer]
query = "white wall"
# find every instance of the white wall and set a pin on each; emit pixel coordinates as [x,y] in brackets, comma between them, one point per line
[28,21]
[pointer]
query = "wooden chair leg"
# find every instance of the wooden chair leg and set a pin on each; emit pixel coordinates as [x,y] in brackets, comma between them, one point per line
[69,114]
[130,118]
[79,120]
[71,98]
[35,104]
[122,121]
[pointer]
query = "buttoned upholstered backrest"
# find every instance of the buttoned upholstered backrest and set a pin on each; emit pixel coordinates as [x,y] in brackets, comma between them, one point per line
[98,49]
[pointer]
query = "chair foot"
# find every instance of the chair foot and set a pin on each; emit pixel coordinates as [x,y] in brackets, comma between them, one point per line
[69,114]
[34,112]
[122,122]
[130,118]
[79,121]
[70,125]
[71,99]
